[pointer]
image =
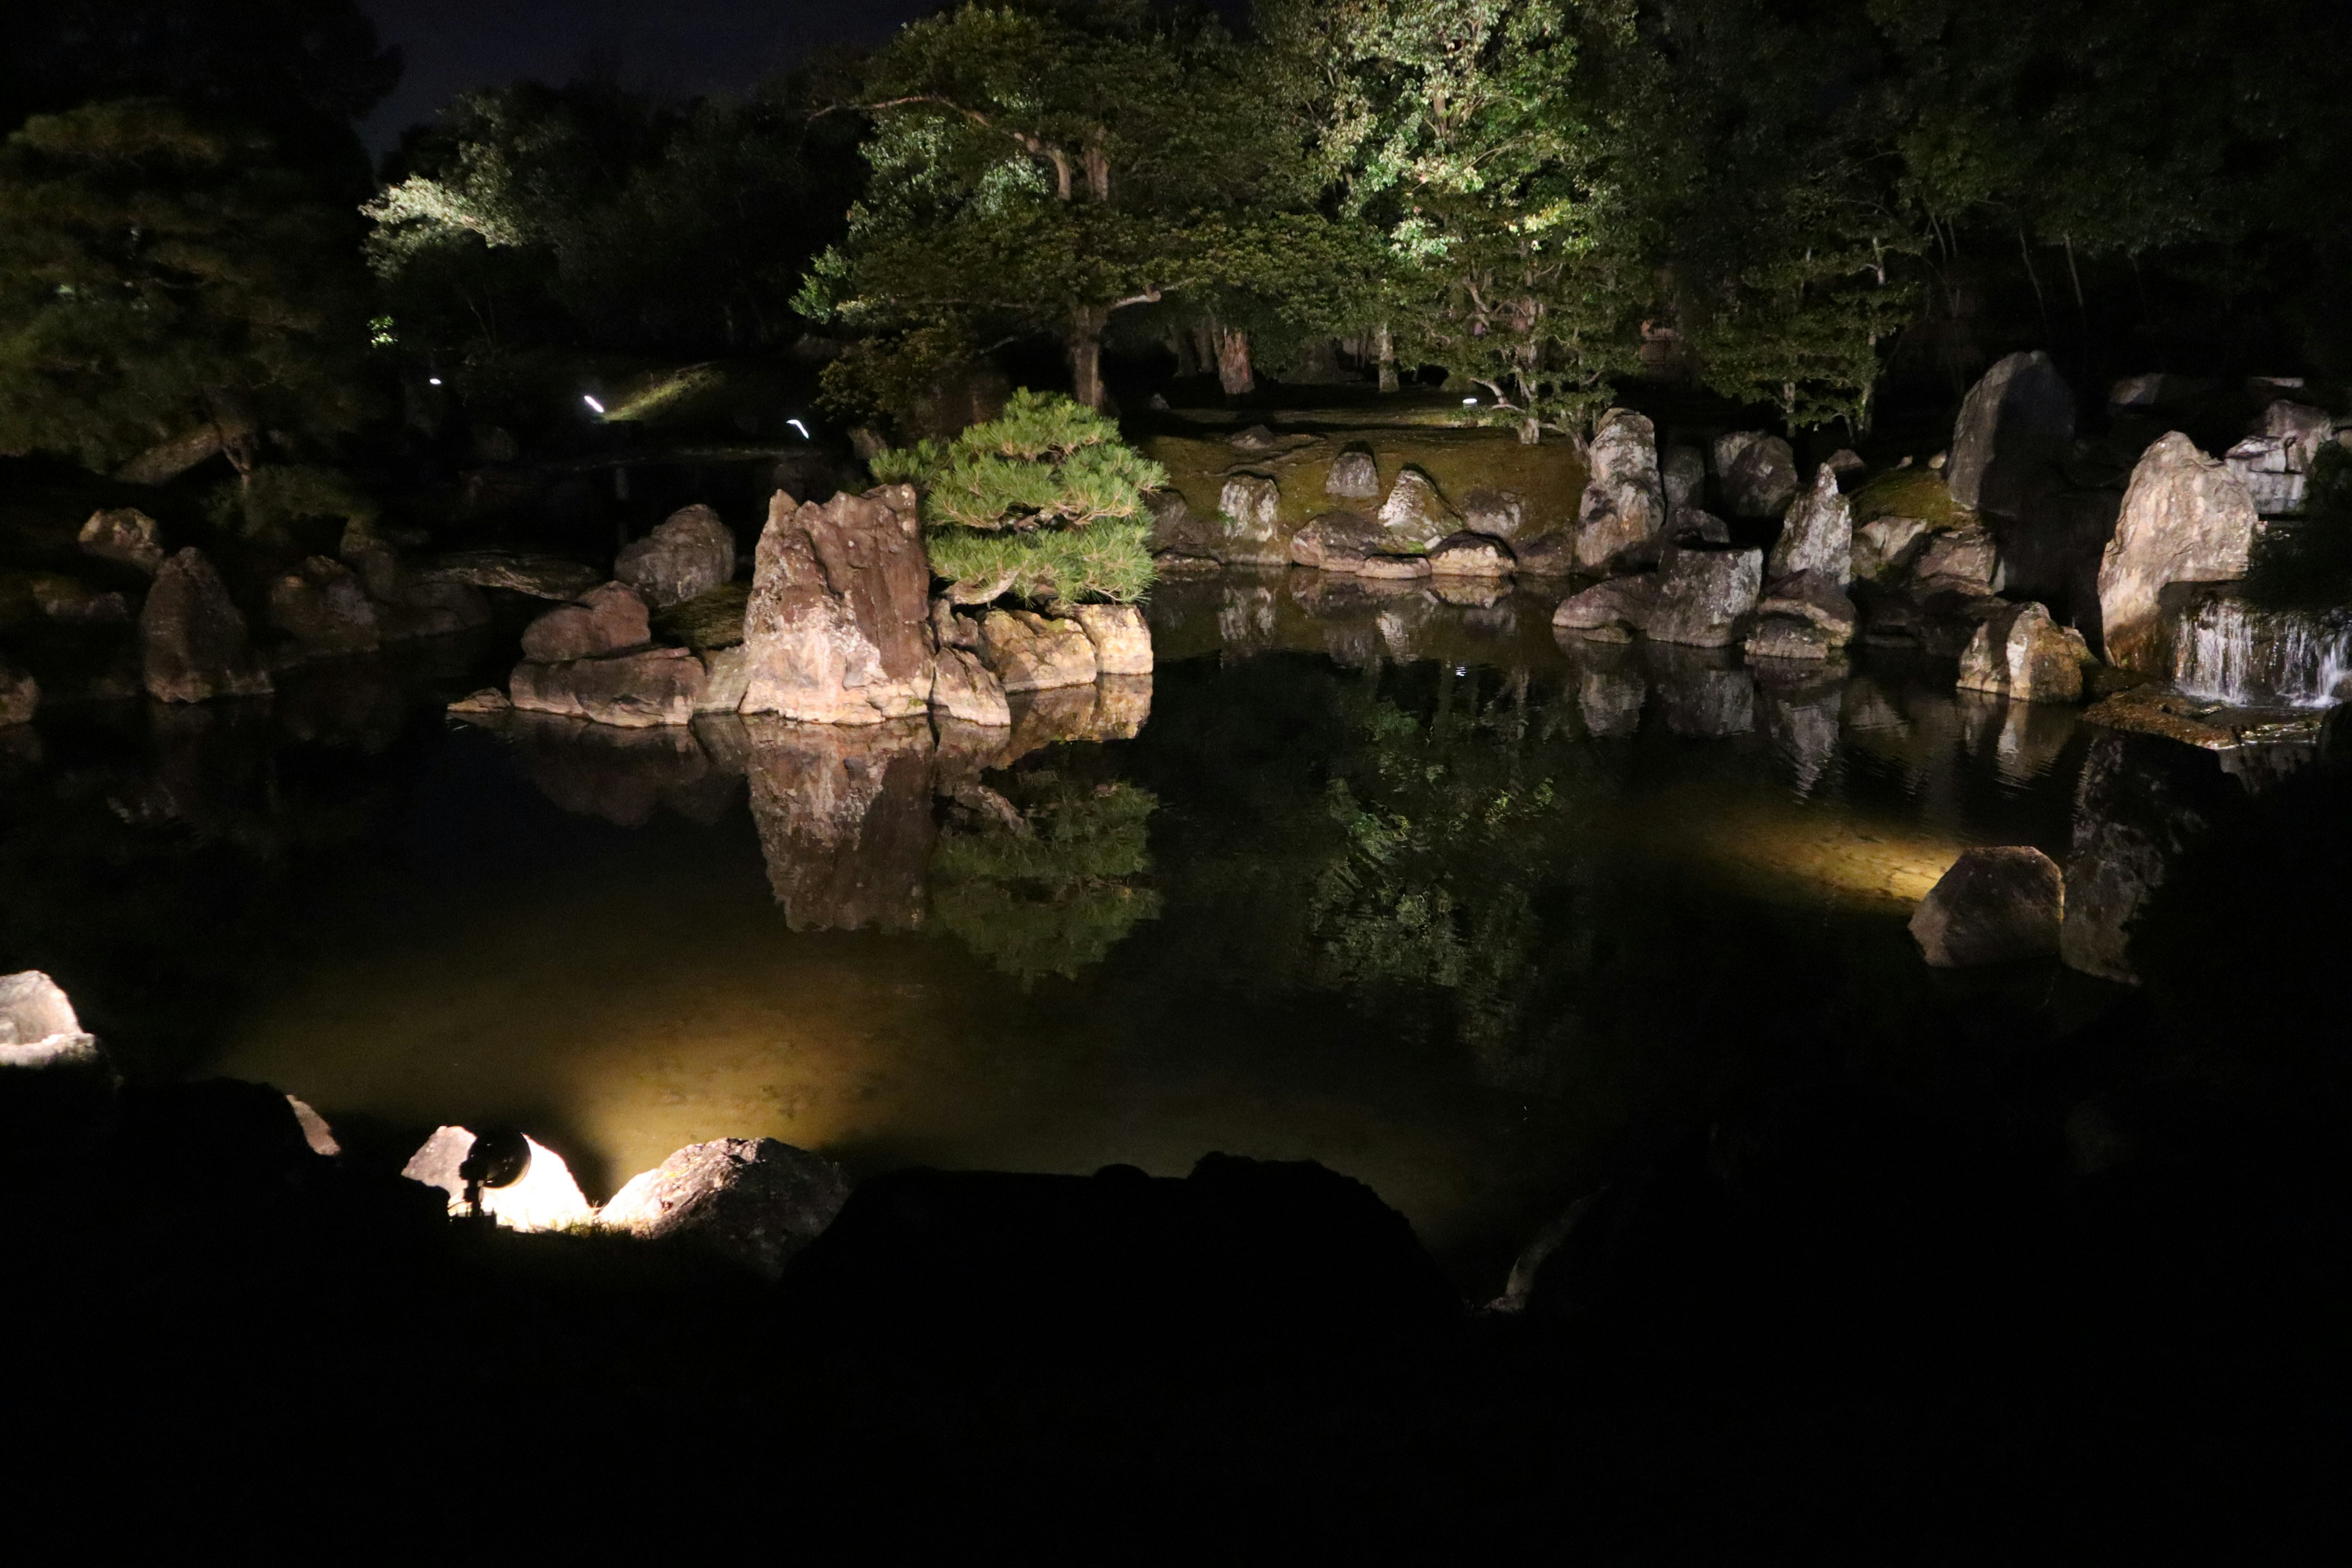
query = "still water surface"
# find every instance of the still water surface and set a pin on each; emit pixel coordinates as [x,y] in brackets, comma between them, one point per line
[1403,886]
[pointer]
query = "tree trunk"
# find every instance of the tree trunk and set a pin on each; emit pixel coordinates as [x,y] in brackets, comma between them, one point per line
[1188,358]
[1086,324]
[1098,175]
[1234,373]
[1384,347]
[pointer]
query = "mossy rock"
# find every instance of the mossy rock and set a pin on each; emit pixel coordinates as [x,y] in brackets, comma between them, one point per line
[1915,492]
[706,621]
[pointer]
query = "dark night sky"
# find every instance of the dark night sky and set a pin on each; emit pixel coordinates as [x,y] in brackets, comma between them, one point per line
[671,47]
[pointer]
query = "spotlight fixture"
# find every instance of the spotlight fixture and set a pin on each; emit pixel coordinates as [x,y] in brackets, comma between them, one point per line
[592,402]
[431,381]
[801,428]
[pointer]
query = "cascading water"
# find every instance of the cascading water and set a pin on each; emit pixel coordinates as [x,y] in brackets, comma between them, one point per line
[2226,650]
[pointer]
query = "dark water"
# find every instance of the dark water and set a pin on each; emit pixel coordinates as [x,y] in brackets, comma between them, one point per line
[1399,884]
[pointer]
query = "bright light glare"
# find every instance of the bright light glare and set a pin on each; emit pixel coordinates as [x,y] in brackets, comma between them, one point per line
[592,402]
[798,426]
[1469,402]
[431,381]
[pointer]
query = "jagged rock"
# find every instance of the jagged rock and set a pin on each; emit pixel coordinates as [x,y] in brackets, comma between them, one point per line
[542,1196]
[2274,462]
[966,690]
[1249,505]
[1469,555]
[37,1027]
[1965,559]
[726,676]
[20,695]
[1625,504]
[1414,516]
[844,818]
[317,1136]
[1817,536]
[1994,906]
[1122,637]
[1030,652]
[2014,426]
[2185,519]
[124,534]
[1354,475]
[1884,547]
[1682,471]
[1704,597]
[1756,473]
[325,608]
[2023,655]
[193,644]
[1608,612]
[838,627]
[756,1201]
[610,618]
[687,554]
[534,577]
[631,690]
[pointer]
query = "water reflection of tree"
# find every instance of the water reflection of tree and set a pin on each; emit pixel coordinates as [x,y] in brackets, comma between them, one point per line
[1044,879]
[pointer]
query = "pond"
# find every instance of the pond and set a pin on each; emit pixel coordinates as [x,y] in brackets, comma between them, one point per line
[1410,888]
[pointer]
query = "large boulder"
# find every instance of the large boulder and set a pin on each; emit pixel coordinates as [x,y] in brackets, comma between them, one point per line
[193,644]
[1122,637]
[609,618]
[1682,471]
[2023,655]
[1705,597]
[1814,597]
[126,534]
[20,695]
[1611,611]
[755,1201]
[1817,535]
[325,608]
[1495,512]
[633,690]
[1965,559]
[1994,906]
[687,554]
[1414,516]
[1884,547]
[1030,652]
[1354,475]
[1248,507]
[1469,555]
[2274,462]
[968,691]
[838,627]
[37,1027]
[536,1190]
[2014,426]
[1755,473]
[1625,504]
[1336,542]
[2185,519]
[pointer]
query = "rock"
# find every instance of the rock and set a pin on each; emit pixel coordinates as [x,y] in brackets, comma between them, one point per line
[540,1196]
[1815,598]
[687,554]
[1335,542]
[124,534]
[1547,555]
[1497,513]
[490,702]
[1625,504]
[1994,906]
[966,690]
[1689,525]
[2155,389]
[324,606]
[1122,637]
[1682,471]
[1817,537]
[1249,505]
[37,1027]
[838,628]
[2185,519]
[535,576]
[754,1200]
[844,818]
[2014,426]
[1705,597]
[2265,465]
[1173,526]
[1469,555]
[610,618]
[631,690]
[2023,655]
[20,695]
[191,639]
[1256,438]
[1844,461]
[1393,568]
[317,1135]
[1414,516]
[1755,473]
[70,603]
[1884,547]
[726,676]
[409,605]
[1608,612]
[2304,428]
[1787,637]
[1965,559]
[1030,652]
[1354,475]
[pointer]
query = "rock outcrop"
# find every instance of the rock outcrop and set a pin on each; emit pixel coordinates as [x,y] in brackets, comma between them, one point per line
[838,627]
[755,1201]
[631,690]
[1994,906]
[325,608]
[1030,652]
[126,534]
[2185,519]
[2023,655]
[968,691]
[1336,542]
[1705,597]
[1806,616]
[610,618]
[1122,637]
[541,1194]
[1755,473]
[1625,504]
[687,554]
[2014,426]
[193,643]
[1817,535]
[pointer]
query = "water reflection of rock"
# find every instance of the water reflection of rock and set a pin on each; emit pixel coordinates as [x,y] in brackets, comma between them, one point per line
[623,776]
[844,820]
[2140,801]
[1803,717]
[1609,684]
[1707,693]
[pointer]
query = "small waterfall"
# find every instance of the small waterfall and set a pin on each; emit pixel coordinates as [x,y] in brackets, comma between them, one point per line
[2226,650]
